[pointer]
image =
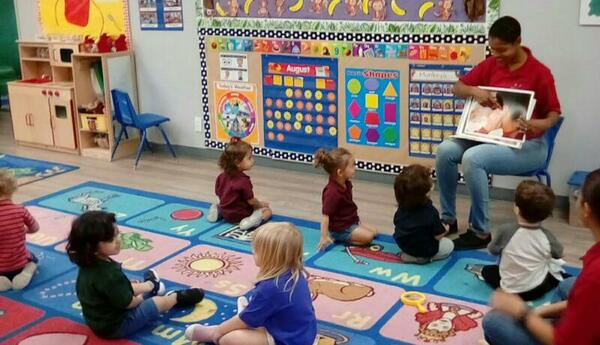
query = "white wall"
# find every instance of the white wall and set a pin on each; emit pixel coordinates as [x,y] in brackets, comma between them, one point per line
[168,72]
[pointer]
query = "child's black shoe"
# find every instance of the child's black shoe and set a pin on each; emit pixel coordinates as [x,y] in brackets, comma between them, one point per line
[159,287]
[188,297]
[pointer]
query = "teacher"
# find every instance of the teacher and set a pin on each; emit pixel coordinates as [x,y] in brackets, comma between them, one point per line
[510,66]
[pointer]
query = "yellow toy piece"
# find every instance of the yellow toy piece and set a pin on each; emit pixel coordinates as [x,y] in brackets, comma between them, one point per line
[414,299]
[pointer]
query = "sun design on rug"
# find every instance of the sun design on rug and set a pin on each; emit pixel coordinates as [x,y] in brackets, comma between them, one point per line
[208,264]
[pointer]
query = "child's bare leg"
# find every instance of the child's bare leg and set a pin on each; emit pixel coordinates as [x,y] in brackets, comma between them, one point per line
[165,303]
[245,337]
[369,227]
[141,288]
[361,236]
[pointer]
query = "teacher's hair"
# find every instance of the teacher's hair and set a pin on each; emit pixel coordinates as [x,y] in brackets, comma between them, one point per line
[507,29]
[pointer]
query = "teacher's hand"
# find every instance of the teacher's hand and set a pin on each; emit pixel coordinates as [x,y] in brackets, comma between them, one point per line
[510,304]
[524,125]
[486,98]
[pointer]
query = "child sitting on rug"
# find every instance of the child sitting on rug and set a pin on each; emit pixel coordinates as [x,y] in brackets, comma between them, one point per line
[530,256]
[237,203]
[419,231]
[114,307]
[340,214]
[280,309]
[17,264]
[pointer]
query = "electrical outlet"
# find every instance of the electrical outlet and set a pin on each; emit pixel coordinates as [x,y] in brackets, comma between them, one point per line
[198,124]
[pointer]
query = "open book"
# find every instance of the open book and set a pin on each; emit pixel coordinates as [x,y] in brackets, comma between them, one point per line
[497,126]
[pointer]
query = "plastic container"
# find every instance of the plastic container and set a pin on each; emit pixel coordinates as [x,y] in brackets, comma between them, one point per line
[93,122]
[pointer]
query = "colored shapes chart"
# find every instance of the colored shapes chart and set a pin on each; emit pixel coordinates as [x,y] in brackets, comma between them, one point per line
[434,111]
[300,103]
[373,107]
[235,104]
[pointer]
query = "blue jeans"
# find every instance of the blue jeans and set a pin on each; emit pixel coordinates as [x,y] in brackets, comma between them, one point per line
[500,329]
[343,236]
[138,317]
[478,160]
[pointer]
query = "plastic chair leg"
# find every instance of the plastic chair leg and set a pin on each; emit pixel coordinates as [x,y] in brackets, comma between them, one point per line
[140,149]
[167,141]
[147,143]
[112,155]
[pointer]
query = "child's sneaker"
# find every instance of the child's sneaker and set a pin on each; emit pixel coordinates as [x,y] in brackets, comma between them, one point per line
[188,297]
[252,220]
[476,270]
[213,213]
[159,287]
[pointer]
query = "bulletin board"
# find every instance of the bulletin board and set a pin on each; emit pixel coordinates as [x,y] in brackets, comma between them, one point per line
[351,82]
[84,17]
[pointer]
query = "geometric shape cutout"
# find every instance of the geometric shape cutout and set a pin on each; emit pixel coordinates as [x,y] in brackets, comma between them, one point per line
[354,86]
[354,109]
[390,91]
[372,135]
[354,132]
[390,135]
[186,214]
[371,101]
[371,84]
[372,119]
[389,112]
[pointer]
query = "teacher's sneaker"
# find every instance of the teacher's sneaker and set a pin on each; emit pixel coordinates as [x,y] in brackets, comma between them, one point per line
[470,240]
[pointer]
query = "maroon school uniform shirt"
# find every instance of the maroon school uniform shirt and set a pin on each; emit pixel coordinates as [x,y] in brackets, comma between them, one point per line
[533,76]
[579,322]
[338,205]
[233,191]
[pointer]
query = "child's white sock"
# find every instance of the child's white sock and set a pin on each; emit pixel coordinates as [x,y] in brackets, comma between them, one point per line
[21,280]
[252,220]
[242,303]
[199,333]
[5,284]
[213,213]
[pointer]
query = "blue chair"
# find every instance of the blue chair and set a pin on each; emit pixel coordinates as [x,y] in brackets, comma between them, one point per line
[126,116]
[550,136]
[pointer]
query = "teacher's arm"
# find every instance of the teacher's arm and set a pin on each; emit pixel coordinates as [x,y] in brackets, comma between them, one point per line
[483,97]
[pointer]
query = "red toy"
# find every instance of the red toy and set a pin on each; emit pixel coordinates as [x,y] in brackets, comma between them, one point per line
[105,44]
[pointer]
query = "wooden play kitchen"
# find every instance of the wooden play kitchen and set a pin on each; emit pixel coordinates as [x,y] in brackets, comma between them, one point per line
[63,101]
